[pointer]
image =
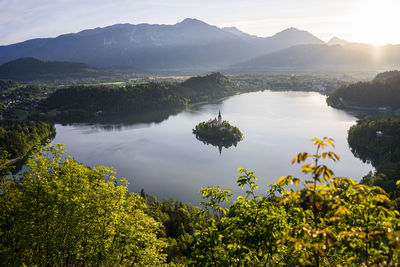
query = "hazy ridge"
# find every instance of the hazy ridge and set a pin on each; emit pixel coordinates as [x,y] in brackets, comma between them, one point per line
[193,45]
[187,44]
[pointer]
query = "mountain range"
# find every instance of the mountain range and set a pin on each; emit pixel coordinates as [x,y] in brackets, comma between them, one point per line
[187,44]
[327,57]
[195,45]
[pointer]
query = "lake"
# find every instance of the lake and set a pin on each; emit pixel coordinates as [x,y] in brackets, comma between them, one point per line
[167,161]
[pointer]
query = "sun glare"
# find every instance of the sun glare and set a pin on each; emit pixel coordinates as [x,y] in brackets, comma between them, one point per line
[376,22]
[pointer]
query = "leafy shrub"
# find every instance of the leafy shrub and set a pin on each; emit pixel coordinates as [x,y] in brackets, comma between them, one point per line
[330,221]
[63,213]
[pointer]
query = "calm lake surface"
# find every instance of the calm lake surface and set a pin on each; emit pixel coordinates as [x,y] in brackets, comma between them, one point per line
[168,161]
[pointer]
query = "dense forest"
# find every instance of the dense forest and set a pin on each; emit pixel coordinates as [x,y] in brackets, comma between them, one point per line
[377,139]
[86,101]
[18,138]
[382,91]
[62,213]
[28,69]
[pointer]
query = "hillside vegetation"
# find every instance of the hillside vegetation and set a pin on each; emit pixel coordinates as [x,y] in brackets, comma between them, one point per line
[382,91]
[63,213]
[86,101]
[18,138]
[27,69]
[378,140]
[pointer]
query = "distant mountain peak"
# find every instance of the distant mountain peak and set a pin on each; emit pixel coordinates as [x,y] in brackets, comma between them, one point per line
[239,33]
[291,30]
[27,60]
[191,21]
[303,37]
[334,38]
[337,41]
[231,28]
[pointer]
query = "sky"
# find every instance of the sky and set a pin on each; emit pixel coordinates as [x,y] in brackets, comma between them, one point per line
[368,21]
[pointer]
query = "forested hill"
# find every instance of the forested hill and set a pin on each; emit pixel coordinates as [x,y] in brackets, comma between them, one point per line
[378,140]
[26,69]
[382,91]
[85,101]
[212,81]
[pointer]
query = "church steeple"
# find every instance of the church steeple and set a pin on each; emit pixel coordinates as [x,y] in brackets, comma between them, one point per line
[219,118]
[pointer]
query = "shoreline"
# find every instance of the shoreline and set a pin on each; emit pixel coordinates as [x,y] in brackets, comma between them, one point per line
[350,107]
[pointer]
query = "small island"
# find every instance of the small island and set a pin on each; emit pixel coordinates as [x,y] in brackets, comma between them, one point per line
[218,133]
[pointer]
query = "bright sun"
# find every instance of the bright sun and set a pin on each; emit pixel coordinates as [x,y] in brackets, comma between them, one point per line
[377,22]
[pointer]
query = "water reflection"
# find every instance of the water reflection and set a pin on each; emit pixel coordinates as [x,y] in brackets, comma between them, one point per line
[217,143]
[361,113]
[158,151]
[120,121]
[364,154]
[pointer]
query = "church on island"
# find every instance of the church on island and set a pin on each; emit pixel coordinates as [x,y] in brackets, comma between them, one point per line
[218,133]
[218,123]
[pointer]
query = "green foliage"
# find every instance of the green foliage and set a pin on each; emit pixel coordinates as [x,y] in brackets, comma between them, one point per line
[216,196]
[4,167]
[18,138]
[246,234]
[384,90]
[62,213]
[332,221]
[179,222]
[247,179]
